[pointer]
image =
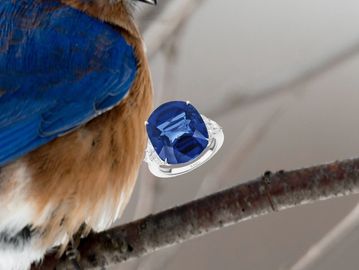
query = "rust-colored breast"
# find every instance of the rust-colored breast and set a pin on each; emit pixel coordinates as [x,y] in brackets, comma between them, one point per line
[89,174]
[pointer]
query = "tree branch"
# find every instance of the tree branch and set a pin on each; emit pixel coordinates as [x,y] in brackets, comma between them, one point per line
[248,139]
[271,192]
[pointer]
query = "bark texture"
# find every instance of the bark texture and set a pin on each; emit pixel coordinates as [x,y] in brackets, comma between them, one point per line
[268,193]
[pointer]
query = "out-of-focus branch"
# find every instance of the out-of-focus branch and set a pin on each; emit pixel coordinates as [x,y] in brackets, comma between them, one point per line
[175,15]
[146,15]
[329,242]
[290,85]
[264,195]
[253,138]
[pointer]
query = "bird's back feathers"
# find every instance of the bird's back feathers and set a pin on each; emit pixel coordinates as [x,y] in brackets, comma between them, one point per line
[59,68]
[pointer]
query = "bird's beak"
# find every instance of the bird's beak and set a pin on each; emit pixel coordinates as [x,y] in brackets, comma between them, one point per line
[151,2]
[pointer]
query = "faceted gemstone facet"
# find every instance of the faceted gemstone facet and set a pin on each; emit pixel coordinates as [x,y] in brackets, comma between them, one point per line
[177,132]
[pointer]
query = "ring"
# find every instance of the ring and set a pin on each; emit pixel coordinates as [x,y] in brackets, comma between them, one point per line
[180,139]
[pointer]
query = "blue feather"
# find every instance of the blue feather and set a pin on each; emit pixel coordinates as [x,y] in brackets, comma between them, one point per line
[59,68]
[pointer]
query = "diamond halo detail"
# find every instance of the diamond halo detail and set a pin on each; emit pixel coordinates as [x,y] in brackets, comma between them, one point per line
[180,139]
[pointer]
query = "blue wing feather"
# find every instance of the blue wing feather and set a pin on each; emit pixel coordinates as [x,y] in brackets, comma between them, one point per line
[59,68]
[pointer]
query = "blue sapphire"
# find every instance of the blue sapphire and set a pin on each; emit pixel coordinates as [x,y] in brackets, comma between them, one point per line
[177,132]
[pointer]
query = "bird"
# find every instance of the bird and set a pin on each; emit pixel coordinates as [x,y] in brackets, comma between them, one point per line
[75,91]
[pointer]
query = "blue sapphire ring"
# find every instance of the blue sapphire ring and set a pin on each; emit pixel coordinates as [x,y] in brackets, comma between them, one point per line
[180,139]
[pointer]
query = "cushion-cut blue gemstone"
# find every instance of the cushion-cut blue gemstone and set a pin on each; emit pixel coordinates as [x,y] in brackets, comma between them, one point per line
[177,132]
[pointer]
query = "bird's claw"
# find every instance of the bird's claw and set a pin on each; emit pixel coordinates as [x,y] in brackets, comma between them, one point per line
[74,255]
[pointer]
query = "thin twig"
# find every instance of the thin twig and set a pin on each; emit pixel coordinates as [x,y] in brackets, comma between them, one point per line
[271,192]
[173,17]
[255,136]
[146,15]
[329,242]
[290,85]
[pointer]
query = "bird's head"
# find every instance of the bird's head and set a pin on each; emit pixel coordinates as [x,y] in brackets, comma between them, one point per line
[117,12]
[129,4]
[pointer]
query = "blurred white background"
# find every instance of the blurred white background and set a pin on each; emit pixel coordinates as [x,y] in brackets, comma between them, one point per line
[282,78]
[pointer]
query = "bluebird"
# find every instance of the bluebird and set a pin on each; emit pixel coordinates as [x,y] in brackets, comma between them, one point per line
[75,91]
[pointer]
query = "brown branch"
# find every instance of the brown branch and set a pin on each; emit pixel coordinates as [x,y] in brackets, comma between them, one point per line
[264,195]
[330,242]
[248,140]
